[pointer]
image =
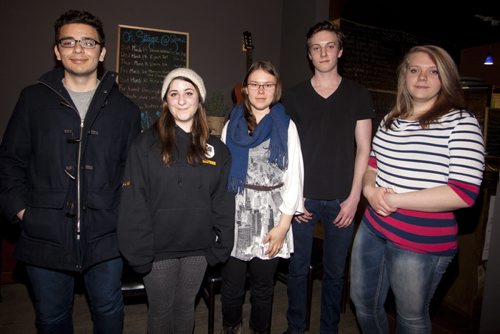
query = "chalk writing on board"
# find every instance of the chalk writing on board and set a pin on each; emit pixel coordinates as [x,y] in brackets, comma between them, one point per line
[371,55]
[145,56]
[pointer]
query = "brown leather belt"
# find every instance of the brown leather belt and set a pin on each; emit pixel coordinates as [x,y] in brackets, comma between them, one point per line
[263,188]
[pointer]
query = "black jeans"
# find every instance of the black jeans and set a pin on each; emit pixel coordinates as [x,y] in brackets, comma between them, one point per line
[261,278]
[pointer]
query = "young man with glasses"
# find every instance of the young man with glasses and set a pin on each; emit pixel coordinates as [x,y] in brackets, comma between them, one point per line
[61,165]
[333,116]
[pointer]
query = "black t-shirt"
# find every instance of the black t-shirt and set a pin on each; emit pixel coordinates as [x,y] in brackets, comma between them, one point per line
[326,129]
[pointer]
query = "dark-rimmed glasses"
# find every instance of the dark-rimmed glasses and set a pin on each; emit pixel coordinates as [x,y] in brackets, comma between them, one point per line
[265,85]
[86,43]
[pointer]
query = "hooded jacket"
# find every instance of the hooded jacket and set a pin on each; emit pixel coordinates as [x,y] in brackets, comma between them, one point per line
[177,211]
[66,172]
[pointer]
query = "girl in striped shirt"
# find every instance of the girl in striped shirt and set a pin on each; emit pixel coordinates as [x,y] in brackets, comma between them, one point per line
[427,160]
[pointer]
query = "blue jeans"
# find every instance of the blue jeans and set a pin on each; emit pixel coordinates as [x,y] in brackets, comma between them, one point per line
[54,291]
[377,265]
[335,250]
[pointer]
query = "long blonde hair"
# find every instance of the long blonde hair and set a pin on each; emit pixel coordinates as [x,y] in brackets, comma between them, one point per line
[449,97]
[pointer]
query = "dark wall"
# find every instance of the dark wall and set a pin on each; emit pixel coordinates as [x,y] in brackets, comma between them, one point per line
[298,17]
[215,29]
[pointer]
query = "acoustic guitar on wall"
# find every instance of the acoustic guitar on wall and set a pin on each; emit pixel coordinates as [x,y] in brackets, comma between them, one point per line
[247,47]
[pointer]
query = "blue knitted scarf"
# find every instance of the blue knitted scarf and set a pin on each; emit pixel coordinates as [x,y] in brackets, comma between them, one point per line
[274,126]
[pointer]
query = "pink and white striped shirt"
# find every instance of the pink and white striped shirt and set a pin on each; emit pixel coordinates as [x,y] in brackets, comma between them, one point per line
[409,158]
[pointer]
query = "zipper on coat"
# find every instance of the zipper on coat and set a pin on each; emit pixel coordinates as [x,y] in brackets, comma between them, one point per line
[78,169]
[78,182]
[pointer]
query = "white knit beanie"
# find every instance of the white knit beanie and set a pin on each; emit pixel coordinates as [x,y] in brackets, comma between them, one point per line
[187,73]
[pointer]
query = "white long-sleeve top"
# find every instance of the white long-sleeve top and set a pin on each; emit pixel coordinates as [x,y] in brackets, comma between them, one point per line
[258,211]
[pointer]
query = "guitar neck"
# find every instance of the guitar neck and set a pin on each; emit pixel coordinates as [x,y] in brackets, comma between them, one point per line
[247,47]
[249,58]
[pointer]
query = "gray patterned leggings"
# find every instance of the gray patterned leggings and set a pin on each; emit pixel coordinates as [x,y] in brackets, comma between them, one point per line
[171,287]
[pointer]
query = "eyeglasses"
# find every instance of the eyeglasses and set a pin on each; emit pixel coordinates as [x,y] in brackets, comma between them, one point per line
[256,86]
[86,43]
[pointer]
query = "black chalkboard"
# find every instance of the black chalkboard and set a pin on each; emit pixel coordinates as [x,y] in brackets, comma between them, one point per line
[371,56]
[383,102]
[145,56]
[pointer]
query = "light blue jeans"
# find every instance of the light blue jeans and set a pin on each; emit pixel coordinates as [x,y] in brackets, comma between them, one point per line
[376,266]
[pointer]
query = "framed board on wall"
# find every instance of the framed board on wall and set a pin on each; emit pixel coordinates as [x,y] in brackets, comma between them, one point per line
[144,58]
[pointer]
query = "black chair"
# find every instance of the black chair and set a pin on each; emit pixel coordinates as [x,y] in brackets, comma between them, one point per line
[132,284]
[212,283]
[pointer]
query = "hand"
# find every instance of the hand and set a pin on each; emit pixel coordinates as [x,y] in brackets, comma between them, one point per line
[303,218]
[274,240]
[347,212]
[377,198]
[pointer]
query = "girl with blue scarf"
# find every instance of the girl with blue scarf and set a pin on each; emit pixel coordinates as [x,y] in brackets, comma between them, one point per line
[267,176]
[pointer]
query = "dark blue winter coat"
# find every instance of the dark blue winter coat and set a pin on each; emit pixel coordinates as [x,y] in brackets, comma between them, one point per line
[65,172]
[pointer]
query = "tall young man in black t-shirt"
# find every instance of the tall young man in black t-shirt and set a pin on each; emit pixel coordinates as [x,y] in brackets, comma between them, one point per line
[333,115]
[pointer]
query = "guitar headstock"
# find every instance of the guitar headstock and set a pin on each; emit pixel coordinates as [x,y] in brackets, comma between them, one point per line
[247,41]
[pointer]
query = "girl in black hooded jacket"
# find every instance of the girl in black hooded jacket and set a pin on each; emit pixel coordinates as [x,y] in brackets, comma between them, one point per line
[176,214]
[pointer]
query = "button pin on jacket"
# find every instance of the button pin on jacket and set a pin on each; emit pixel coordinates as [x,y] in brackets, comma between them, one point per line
[210,151]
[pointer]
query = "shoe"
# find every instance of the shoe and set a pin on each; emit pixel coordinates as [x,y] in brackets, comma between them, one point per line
[231,330]
[288,331]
